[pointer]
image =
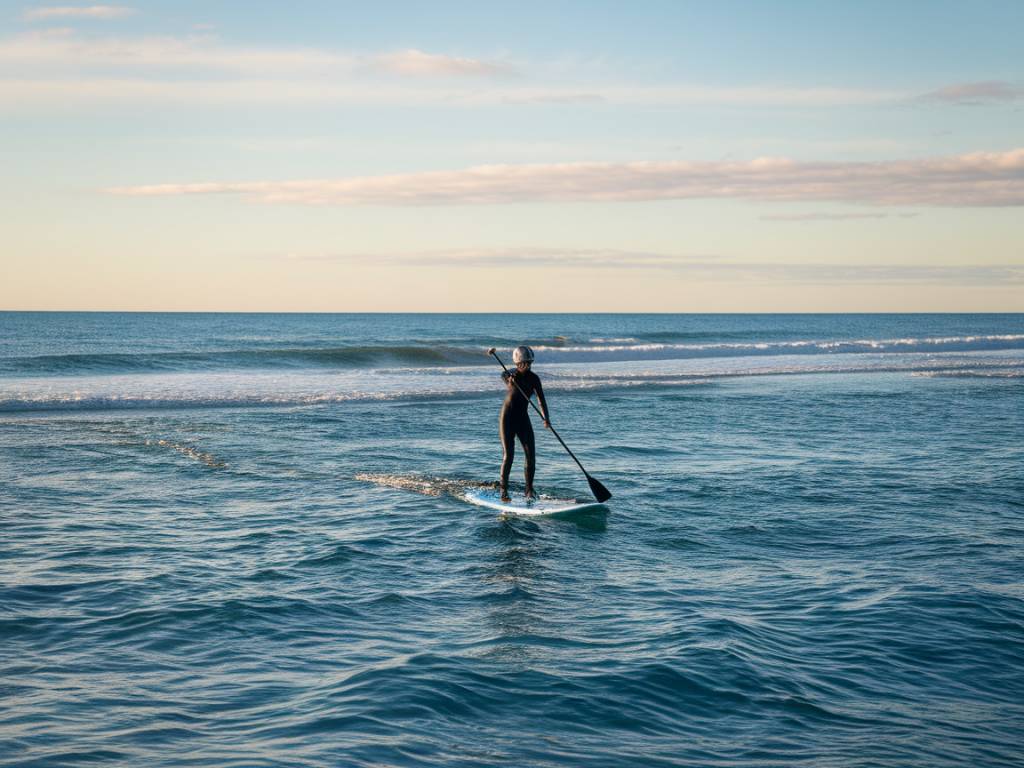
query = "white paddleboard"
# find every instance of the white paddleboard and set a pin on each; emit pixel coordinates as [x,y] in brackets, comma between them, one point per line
[542,506]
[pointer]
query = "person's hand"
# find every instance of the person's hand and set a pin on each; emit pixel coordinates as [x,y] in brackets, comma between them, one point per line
[547,424]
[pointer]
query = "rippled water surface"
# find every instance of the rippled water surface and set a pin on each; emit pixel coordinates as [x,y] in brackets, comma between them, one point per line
[239,541]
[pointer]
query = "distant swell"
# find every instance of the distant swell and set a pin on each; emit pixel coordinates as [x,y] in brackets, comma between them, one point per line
[664,351]
[556,350]
[331,357]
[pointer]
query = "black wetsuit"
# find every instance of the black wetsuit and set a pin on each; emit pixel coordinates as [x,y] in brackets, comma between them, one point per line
[515,422]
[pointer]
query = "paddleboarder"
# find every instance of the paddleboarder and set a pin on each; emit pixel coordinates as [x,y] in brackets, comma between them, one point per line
[601,493]
[515,418]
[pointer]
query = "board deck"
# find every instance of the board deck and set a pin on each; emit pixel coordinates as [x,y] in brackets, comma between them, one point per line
[544,506]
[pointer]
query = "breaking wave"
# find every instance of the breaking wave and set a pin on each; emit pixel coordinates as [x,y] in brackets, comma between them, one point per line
[226,389]
[553,350]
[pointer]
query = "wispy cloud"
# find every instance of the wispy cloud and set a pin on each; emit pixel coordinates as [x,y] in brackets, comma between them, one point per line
[978,179]
[418,63]
[48,63]
[976,94]
[811,217]
[553,97]
[700,95]
[49,66]
[707,267]
[77,11]
[304,78]
[750,95]
[591,258]
[65,48]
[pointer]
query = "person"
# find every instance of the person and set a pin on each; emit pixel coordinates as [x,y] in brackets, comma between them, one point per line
[515,418]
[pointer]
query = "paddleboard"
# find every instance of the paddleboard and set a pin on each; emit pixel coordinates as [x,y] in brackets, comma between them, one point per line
[542,506]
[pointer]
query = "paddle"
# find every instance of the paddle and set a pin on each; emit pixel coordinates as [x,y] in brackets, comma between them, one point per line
[601,493]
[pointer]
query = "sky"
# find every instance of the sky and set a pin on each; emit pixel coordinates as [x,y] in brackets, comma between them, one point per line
[536,156]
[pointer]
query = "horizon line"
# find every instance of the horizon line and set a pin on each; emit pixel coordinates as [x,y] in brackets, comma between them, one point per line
[456,312]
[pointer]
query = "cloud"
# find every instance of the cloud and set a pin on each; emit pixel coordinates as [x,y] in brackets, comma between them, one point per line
[89,92]
[282,77]
[879,274]
[47,66]
[590,258]
[754,95]
[553,97]
[64,49]
[418,63]
[78,11]
[834,216]
[976,94]
[978,179]
[876,274]
[694,266]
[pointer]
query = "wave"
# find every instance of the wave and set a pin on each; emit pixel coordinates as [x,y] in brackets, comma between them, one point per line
[191,452]
[663,351]
[329,357]
[219,389]
[969,373]
[558,349]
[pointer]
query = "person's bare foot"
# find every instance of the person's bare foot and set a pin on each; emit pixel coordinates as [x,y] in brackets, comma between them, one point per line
[530,494]
[504,495]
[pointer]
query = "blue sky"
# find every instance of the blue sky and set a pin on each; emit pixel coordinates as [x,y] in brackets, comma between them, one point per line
[582,156]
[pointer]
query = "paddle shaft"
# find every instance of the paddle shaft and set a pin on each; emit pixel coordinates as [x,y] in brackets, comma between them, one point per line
[513,380]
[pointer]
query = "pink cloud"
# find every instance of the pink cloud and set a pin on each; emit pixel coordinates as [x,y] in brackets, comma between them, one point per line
[78,11]
[977,179]
[415,63]
[976,94]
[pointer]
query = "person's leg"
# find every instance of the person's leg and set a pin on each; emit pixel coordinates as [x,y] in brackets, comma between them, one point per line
[529,452]
[508,447]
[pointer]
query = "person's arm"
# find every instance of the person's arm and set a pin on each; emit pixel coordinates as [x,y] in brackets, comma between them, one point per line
[543,403]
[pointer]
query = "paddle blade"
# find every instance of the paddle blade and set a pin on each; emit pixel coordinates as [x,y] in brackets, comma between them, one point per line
[601,493]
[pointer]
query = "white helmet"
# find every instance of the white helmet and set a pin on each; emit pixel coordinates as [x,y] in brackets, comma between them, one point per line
[522,355]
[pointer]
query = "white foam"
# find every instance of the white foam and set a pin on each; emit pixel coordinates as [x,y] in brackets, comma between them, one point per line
[223,388]
[663,351]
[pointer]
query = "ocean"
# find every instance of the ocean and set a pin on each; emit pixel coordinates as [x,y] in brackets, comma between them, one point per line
[239,540]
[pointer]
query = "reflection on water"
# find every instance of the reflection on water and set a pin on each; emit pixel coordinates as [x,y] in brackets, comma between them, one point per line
[526,588]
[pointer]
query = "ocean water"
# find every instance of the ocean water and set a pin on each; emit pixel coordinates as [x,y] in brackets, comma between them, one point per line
[238,540]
